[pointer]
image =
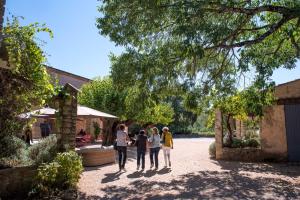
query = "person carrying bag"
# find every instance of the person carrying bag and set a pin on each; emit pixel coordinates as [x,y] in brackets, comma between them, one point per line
[154,142]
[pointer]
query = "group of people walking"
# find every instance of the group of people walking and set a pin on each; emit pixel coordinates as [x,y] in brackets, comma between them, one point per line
[153,140]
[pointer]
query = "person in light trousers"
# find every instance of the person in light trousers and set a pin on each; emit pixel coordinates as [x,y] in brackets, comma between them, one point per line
[167,145]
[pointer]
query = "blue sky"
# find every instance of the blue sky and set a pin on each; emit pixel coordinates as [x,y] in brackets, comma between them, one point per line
[77,47]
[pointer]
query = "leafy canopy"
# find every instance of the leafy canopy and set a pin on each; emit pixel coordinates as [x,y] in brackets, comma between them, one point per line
[128,104]
[200,48]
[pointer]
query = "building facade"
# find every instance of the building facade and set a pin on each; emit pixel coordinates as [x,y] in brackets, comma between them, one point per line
[64,77]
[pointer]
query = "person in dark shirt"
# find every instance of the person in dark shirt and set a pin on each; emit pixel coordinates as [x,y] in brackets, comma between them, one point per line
[45,129]
[82,132]
[27,135]
[141,148]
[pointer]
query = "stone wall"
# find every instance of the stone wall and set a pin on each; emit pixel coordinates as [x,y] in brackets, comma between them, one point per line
[16,182]
[273,139]
[242,154]
[273,133]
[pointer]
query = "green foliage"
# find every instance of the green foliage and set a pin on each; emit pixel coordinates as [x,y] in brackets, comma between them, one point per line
[26,84]
[44,151]
[212,150]
[202,49]
[131,103]
[101,95]
[14,152]
[252,142]
[237,143]
[70,168]
[64,172]
[242,143]
[184,120]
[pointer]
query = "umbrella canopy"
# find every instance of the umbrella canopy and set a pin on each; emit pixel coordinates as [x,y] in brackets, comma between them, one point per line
[41,113]
[82,111]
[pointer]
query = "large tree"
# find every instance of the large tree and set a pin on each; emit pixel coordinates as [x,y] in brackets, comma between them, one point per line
[204,46]
[128,104]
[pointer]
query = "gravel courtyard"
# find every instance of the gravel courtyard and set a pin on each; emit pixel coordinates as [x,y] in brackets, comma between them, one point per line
[193,176]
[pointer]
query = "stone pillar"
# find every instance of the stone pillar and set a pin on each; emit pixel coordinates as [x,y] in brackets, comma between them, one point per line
[238,128]
[218,134]
[243,129]
[67,116]
[88,126]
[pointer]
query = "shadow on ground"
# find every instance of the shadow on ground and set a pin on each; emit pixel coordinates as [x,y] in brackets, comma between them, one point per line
[285,169]
[204,185]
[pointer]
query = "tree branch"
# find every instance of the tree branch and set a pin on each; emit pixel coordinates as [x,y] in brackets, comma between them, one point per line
[295,45]
[260,38]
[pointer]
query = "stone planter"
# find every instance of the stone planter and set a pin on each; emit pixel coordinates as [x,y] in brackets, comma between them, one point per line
[242,154]
[95,155]
[16,182]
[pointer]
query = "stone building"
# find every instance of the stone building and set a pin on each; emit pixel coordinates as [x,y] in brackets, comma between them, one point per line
[64,77]
[279,129]
[84,123]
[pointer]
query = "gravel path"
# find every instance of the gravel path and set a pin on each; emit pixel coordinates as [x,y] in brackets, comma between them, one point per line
[193,176]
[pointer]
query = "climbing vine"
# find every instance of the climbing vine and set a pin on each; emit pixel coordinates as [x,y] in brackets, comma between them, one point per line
[24,83]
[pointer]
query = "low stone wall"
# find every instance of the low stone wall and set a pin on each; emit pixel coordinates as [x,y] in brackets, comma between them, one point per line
[16,182]
[242,154]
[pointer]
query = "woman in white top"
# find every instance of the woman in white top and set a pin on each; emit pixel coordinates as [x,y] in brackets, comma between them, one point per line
[154,141]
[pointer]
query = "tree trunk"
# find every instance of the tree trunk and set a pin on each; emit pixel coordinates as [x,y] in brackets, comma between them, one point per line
[2,11]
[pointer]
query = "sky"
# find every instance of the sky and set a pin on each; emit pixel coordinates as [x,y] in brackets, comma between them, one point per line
[77,46]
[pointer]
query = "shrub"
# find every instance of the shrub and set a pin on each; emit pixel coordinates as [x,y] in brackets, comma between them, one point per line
[70,168]
[237,143]
[44,151]
[14,152]
[212,149]
[62,173]
[251,134]
[253,143]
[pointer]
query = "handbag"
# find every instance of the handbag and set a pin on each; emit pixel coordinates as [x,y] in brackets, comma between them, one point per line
[152,141]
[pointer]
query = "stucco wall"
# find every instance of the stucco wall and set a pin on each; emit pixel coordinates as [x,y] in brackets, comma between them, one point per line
[288,90]
[273,133]
[64,79]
